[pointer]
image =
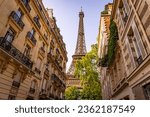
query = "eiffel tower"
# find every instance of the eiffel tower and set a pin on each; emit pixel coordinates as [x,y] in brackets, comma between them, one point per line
[80,51]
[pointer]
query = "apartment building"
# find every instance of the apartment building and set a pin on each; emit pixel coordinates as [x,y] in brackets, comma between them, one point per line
[103,38]
[33,55]
[129,74]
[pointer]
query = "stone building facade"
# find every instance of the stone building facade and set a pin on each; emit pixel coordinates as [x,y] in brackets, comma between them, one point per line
[103,38]
[33,55]
[129,75]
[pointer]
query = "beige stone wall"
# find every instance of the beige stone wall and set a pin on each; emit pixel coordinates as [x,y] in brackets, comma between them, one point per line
[9,65]
[130,71]
[103,37]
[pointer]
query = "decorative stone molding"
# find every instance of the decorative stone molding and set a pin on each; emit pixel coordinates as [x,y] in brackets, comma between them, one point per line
[15,73]
[4,65]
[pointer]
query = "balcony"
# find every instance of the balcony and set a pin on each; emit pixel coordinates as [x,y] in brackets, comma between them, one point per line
[31,38]
[17,19]
[36,20]
[37,70]
[139,60]
[16,84]
[56,80]
[32,91]
[15,53]
[26,4]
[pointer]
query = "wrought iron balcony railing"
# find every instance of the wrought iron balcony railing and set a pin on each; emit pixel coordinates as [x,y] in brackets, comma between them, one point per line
[57,80]
[31,37]
[26,4]
[15,53]
[32,91]
[16,84]
[17,19]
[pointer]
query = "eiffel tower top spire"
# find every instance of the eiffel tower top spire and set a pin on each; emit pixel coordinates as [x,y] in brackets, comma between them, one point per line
[80,46]
[80,50]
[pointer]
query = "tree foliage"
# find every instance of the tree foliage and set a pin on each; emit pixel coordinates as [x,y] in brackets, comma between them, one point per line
[86,71]
[72,93]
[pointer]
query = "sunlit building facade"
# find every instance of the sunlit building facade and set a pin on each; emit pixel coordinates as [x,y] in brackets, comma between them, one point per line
[103,38]
[33,55]
[129,76]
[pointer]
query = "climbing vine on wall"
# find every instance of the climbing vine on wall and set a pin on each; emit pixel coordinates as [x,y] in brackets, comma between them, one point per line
[108,59]
[112,42]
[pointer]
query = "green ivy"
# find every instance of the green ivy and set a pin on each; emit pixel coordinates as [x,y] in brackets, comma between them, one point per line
[112,44]
[108,59]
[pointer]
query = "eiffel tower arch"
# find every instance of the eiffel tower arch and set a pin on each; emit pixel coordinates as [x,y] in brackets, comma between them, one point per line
[80,51]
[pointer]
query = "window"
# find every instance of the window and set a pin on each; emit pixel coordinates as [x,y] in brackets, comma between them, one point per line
[37,18]
[9,37]
[138,40]
[32,87]
[19,13]
[32,32]
[27,51]
[17,80]
[26,2]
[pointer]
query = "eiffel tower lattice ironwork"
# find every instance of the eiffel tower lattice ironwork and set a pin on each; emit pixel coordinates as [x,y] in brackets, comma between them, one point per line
[80,50]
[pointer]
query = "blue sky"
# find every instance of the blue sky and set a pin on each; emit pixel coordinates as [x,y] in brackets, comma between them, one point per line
[66,13]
